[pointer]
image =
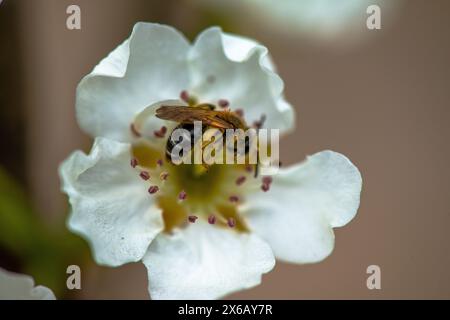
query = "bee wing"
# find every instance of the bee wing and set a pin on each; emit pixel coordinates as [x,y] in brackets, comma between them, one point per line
[190,114]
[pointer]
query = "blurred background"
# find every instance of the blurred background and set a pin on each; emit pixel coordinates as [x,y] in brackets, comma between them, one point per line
[381,97]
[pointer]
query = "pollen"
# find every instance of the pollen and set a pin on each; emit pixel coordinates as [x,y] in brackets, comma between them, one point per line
[153,189]
[144,175]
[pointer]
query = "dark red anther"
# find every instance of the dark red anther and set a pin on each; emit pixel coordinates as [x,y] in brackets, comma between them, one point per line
[184,95]
[223,103]
[231,222]
[239,112]
[233,199]
[153,189]
[134,162]
[144,175]
[161,132]
[159,162]
[212,219]
[265,187]
[267,180]
[240,180]
[192,219]
[182,195]
[249,168]
[163,176]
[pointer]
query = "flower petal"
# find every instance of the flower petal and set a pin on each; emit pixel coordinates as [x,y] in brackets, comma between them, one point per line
[15,286]
[110,204]
[205,262]
[236,69]
[311,199]
[148,67]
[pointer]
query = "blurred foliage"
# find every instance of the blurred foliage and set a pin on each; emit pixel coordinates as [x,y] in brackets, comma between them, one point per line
[43,252]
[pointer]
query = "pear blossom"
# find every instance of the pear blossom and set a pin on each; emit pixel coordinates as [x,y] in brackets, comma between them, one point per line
[200,234]
[15,286]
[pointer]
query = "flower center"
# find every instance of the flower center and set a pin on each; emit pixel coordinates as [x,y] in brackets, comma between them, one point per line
[188,192]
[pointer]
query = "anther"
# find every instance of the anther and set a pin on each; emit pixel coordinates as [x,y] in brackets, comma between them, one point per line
[212,219]
[159,162]
[161,132]
[265,187]
[163,176]
[239,112]
[233,199]
[223,103]
[240,180]
[267,180]
[134,162]
[249,168]
[144,175]
[231,222]
[192,219]
[182,195]
[153,189]
[184,95]
[134,131]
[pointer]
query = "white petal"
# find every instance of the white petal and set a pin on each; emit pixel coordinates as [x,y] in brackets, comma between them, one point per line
[14,286]
[304,203]
[242,73]
[205,262]
[110,204]
[148,67]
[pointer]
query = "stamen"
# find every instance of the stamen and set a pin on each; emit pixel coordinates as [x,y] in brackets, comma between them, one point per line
[265,187]
[184,95]
[159,162]
[134,131]
[161,132]
[249,168]
[153,189]
[240,180]
[239,112]
[259,123]
[231,222]
[182,195]
[223,103]
[163,176]
[144,175]
[267,180]
[212,219]
[233,199]
[192,219]
[134,162]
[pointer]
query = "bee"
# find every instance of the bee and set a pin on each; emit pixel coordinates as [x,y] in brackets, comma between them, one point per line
[209,117]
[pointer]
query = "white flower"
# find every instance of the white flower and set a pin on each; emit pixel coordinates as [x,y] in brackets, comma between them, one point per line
[14,286]
[200,234]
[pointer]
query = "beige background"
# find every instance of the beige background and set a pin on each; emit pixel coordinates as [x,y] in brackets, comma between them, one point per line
[384,102]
